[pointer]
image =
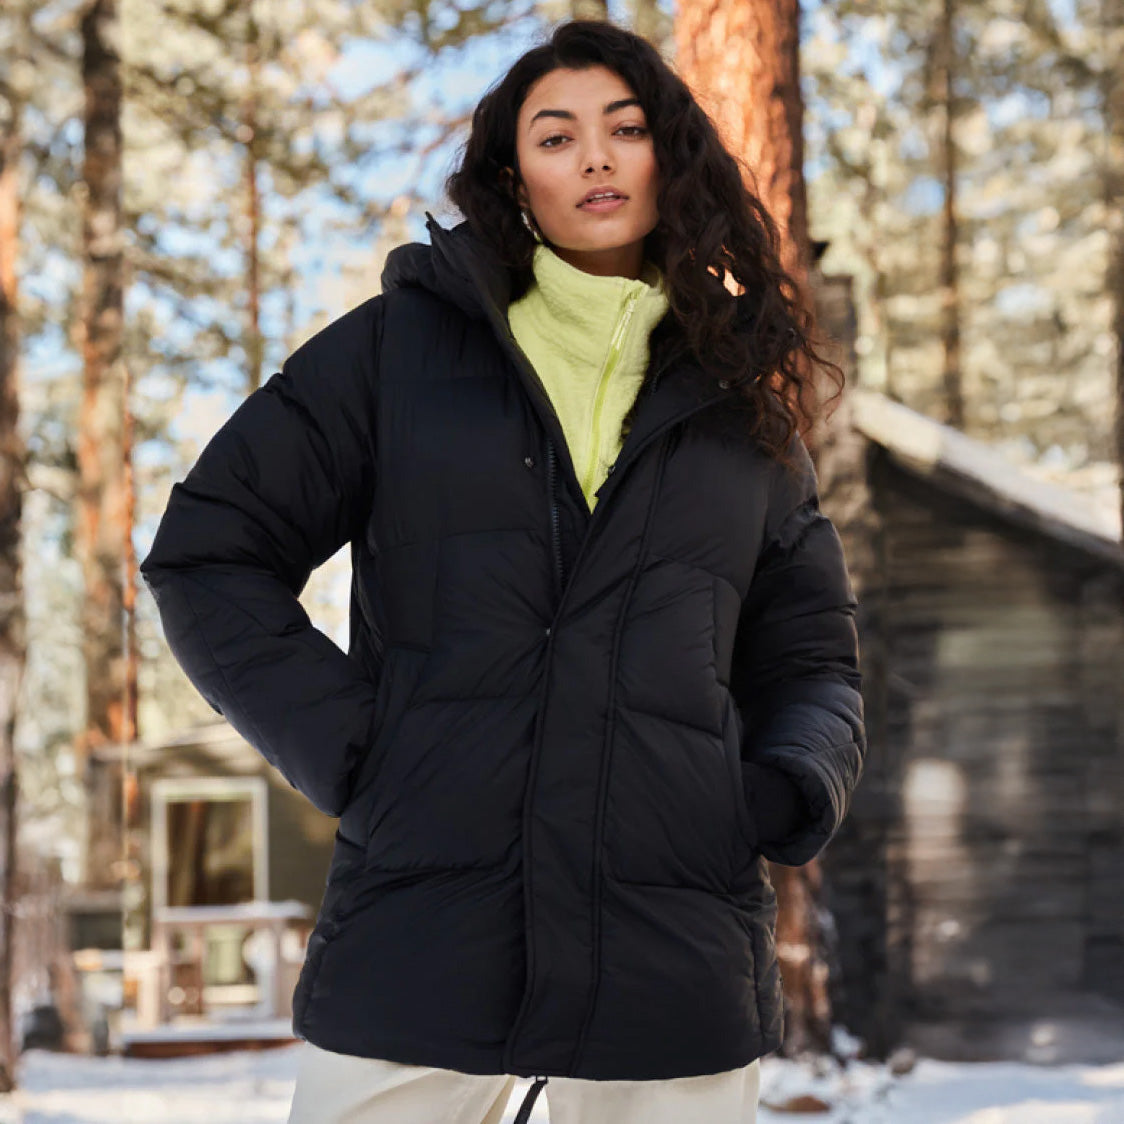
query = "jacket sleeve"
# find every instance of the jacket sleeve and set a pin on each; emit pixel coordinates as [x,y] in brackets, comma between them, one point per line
[795,674]
[275,493]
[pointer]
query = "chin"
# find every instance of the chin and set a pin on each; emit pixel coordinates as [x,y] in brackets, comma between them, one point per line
[610,240]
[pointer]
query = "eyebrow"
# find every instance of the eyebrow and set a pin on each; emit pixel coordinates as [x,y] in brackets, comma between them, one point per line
[612,107]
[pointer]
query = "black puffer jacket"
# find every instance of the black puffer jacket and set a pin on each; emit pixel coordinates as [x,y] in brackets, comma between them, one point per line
[546,862]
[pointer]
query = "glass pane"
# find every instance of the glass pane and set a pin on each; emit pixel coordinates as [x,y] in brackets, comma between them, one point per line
[210,852]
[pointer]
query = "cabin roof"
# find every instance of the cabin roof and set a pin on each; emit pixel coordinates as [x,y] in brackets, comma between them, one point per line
[216,741]
[973,470]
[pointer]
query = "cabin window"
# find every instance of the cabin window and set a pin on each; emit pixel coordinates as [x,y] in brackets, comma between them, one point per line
[209,841]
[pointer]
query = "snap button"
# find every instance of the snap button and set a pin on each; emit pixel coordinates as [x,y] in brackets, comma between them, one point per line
[529,462]
[724,384]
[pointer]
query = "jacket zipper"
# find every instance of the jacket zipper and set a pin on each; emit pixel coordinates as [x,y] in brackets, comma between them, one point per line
[616,347]
[555,529]
[524,1113]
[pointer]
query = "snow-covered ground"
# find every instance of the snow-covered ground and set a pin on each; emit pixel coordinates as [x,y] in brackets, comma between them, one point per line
[251,1087]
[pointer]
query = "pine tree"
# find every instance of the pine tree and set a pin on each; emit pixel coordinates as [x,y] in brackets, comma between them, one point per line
[1030,206]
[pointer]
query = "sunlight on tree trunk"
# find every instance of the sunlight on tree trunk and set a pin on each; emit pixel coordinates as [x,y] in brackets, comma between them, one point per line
[103,511]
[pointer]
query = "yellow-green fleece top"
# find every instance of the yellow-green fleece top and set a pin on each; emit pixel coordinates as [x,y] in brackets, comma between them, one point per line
[587,337]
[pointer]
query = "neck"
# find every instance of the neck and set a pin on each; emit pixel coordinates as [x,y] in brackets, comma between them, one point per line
[617,261]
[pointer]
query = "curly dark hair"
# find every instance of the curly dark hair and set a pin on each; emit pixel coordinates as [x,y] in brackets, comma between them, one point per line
[710,223]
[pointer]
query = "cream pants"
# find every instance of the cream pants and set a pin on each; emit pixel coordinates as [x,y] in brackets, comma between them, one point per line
[342,1089]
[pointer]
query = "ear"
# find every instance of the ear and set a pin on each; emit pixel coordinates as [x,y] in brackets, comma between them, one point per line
[517,192]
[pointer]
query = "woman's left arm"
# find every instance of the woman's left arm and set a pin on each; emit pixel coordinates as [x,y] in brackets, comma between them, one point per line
[795,675]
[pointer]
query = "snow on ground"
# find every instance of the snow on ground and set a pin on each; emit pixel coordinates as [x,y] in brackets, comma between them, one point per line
[251,1087]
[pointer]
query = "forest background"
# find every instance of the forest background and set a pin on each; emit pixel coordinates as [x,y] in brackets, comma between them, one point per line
[273,152]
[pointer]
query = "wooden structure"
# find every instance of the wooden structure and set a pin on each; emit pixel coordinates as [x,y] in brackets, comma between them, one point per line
[177,1011]
[978,885]
[232,864]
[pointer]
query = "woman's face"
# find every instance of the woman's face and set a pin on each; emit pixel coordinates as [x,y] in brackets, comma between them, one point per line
[577,130]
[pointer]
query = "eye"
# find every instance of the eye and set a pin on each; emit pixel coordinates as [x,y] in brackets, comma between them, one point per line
[636,129]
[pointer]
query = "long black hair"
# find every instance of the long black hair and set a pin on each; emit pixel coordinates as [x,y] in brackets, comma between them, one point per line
[710,223]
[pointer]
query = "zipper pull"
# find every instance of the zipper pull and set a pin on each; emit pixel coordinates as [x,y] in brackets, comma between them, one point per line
[524,1113]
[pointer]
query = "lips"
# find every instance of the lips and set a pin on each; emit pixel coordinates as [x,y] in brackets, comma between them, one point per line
[602,195]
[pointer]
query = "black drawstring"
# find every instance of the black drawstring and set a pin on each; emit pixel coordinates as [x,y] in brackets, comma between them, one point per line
[524,1113]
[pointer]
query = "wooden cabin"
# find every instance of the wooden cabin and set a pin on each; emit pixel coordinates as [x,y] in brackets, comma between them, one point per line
[232,868]
[978,884]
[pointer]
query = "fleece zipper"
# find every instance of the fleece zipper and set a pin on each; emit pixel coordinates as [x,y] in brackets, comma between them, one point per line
[616,349]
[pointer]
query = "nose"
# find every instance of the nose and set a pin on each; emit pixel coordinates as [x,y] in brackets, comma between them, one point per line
[597,155]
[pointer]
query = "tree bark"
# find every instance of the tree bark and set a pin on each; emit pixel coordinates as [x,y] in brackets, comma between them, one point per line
[255,341]
[741,59]
[1112,95]
[950,277]
[103,527]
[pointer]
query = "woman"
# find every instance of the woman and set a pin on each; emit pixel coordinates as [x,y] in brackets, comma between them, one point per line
[603,660]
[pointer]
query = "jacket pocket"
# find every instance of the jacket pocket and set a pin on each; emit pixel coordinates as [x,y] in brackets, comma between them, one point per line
[732,743]
[318,941]
[353,819]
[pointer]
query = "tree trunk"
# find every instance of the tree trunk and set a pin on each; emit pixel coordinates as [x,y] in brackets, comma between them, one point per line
[950,277]
[12,640]
[741,59]
[255,343]
[103,508]
[1112,19]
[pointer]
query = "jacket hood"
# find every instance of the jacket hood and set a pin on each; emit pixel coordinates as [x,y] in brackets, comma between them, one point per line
[456,266]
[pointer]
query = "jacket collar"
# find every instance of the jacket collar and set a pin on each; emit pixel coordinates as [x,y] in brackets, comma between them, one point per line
[456,266]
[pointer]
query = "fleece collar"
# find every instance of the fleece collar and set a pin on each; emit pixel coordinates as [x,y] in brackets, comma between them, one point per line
[577,312]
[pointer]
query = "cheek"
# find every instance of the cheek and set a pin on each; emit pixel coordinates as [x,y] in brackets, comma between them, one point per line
[648,174]
[652,192]
[542,189]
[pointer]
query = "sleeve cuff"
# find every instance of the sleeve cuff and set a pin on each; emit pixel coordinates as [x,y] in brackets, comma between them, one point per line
[775,801]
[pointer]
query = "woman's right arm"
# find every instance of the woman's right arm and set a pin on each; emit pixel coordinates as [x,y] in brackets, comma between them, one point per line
[277,491]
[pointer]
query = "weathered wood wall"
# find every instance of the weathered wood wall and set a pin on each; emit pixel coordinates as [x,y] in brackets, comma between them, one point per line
[996,812]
